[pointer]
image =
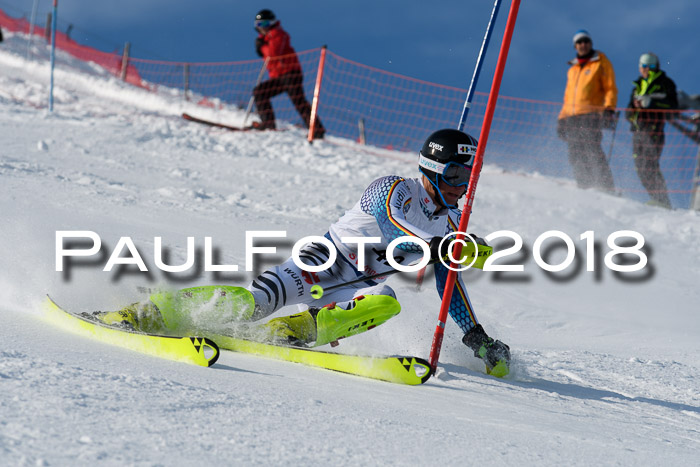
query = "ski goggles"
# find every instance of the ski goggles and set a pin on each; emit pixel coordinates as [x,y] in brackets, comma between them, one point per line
[453,173]
[263,23]
[646,65]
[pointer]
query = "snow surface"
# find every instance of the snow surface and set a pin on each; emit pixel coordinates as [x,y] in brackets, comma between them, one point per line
[606,367]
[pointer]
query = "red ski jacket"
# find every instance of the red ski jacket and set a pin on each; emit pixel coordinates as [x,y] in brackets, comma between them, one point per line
[277,46]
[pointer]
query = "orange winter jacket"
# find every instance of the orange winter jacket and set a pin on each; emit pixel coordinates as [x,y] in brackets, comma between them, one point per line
[590,87]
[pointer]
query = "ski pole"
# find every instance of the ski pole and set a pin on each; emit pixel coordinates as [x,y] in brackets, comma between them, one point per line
[252,98]
[317,291]
[470,94]
[480,252]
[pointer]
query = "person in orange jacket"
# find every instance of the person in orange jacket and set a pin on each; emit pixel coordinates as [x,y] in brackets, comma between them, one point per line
[590,99]
[284,70]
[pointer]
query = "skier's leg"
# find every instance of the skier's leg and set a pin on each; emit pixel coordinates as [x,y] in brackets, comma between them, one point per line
[576,138]
[368,308]
[294,85]
[598,173]
[288,284]
[340,313]
[262,93]
[494,353]
[647,157]
[212,307]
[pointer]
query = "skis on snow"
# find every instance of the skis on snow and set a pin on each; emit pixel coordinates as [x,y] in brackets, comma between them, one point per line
[402,370]
[195,350]
[189,117]
[205,351]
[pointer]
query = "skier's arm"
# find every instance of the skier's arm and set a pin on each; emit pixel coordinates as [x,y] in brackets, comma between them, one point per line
[460,306]
[276,42]
[387,199]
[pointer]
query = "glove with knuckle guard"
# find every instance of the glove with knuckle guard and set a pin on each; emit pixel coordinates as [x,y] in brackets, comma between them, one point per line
[478,240]
[435,251]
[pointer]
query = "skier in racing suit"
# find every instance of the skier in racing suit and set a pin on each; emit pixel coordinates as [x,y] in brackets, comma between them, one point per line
[390,207]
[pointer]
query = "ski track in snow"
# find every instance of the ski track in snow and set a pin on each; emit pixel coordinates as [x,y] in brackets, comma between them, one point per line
[606,370]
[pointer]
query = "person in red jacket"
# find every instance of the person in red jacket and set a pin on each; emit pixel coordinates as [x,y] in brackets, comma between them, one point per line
[284,70]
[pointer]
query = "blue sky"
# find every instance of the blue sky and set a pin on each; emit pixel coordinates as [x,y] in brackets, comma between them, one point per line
[434,41]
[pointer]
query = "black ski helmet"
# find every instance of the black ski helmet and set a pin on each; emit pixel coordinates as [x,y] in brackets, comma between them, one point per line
[265,14]
[447,155]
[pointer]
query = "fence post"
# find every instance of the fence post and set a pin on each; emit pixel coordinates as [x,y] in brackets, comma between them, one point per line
[695,197]
[187,81]
[53,50]
[31,28]
[317,93]
[125,60]
[47,29]
[361,126]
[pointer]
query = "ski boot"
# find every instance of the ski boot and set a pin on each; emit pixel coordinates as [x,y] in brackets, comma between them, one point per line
[142,317]
[126,318]
[327,325]
[297,330]
[494,353]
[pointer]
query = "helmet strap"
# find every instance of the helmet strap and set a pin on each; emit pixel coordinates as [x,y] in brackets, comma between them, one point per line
[437,189]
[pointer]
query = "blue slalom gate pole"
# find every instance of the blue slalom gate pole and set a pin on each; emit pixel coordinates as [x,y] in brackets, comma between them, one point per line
[479,63]
[470,93]
[53,51]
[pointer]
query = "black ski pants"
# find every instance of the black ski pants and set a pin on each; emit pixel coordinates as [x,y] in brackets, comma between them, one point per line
[584,135]
[647,145]
[292,84]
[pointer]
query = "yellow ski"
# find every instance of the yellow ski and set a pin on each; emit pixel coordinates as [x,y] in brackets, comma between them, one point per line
[403,370]
[195,350]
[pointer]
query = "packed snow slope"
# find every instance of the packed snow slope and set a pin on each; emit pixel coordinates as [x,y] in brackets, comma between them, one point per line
[606,366]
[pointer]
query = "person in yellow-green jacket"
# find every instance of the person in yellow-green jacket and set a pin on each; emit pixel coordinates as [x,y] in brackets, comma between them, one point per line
[590,99]
[652,93]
